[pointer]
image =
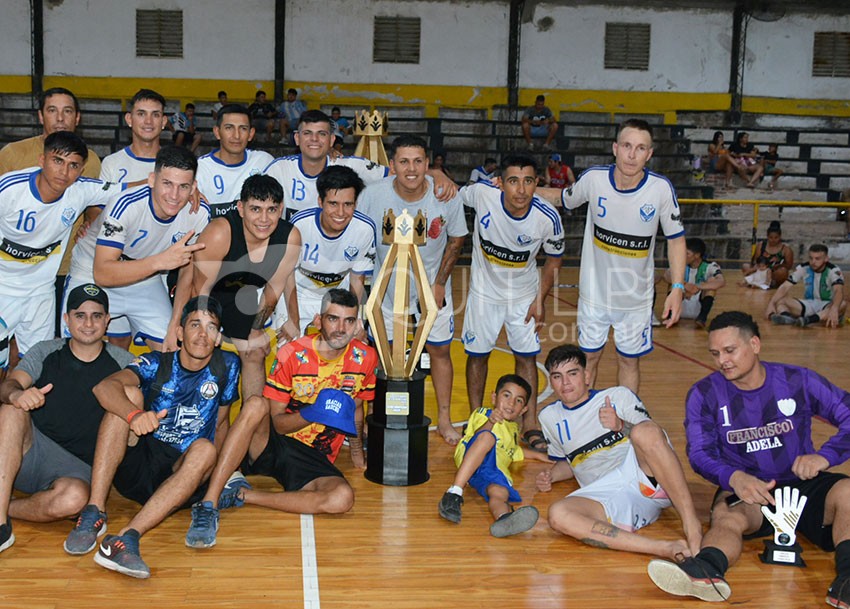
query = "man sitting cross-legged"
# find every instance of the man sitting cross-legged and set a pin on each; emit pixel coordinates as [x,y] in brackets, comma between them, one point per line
[621,459]
[49,417]
[164,411]
[294,431]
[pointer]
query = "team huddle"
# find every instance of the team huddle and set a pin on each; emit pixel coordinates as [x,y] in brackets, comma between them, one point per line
[180,254]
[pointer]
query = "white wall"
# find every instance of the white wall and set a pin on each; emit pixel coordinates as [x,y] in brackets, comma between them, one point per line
[15,56]
[779,58]
[462,43]
[689,50]
[227,39]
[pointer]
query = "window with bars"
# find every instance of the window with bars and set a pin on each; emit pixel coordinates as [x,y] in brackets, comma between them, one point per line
[627,46]
[396,40]
[159,33]
[831,56]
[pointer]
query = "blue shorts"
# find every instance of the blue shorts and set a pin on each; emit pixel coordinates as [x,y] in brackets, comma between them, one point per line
[488,473]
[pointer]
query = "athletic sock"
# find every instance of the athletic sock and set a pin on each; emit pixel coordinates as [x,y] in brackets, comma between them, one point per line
[705,304]
[842,558]
[455,490]
[715,558]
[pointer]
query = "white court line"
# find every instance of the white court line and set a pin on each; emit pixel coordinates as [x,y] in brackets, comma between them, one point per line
[309,566]
[540,396]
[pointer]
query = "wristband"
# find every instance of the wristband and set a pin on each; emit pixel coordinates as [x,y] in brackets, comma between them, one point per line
[133,415]
[681,286]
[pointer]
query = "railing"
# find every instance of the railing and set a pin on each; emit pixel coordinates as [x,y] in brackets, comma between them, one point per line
[756,204]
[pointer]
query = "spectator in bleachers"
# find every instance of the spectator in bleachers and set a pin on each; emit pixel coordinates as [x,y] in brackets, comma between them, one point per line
[222,101]
[58,110]
[558,174]
[718,155]
[439,164]
[485,172]
[184,126]
[262,114]
[744,159]
[780,257]
[341,126]
[769,168]
[538,121]
[823,299]
[761,278]
[702,280]
[289,114]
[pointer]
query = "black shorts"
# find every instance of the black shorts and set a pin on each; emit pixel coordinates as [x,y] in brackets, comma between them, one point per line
[237,317]
[291,462]
[811,520]
[145,467]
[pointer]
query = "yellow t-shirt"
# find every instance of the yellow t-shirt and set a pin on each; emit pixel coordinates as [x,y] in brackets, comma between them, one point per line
[508,449]
[25,153]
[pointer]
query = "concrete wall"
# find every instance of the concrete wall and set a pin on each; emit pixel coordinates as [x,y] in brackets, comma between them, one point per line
[90,46]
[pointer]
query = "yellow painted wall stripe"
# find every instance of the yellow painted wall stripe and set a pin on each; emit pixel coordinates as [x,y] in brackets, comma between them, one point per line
[433,97]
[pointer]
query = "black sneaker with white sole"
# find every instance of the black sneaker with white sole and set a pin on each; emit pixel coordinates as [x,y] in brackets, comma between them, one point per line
[690,577]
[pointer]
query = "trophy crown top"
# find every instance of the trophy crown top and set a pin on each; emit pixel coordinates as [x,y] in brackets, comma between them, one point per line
[370,123]
[403,229]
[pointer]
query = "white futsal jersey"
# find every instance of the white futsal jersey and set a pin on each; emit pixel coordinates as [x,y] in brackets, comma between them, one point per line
[577,435]
[443,220]
[129,224]
[504,248]
[35,234]
[124,166]
[221,184]
[299,189]
[617,256]
[326,261]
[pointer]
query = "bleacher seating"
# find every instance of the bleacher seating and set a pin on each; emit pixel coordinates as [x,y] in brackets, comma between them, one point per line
[816,160]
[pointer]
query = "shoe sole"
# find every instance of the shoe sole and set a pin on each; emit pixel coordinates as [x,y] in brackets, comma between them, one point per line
[8,543]
[106,563]
[519,521]
[199,544]
[90,548]
[834,602]
[670,578]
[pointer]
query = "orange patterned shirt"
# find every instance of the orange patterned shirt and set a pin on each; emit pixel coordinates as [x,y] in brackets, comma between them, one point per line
[299,373]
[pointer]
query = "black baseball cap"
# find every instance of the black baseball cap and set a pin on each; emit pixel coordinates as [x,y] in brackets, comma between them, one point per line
[86,292]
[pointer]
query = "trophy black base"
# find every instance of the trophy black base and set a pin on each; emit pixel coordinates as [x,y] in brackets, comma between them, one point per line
[789,556]
[397,457]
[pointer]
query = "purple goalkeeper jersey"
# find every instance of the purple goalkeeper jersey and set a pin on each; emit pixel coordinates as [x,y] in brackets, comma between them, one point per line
[762,431]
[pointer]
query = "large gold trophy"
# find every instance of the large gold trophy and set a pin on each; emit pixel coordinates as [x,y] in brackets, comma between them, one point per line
[398,428]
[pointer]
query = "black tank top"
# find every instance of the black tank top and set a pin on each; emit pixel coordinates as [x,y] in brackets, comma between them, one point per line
[237,268]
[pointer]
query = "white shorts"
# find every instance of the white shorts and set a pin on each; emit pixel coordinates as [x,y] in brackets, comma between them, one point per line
[632,329]
[483,321]
[30,319]
[308,308]
[443,330]
[691,307]
[141,310]
[628,497]
[813,307]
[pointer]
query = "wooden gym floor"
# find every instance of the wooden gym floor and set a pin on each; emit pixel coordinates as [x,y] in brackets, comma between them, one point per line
[393,550]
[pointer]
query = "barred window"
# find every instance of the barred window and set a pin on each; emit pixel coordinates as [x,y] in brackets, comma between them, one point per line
[627,46]
[831,56]
[159,33]
[396,40]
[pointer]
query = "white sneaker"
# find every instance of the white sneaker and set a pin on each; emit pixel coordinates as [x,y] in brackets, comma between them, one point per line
[655,321]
